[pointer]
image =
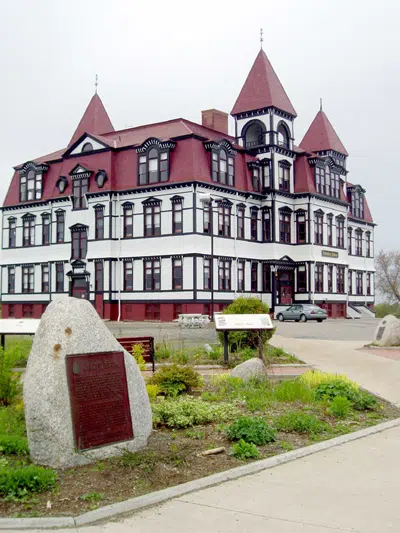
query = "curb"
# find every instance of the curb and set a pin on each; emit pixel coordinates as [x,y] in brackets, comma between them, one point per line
[118,510]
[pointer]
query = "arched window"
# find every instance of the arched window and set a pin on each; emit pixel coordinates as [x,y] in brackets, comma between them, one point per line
[154,164]
[87,147]
[223,167]
[283,136]
[254,135]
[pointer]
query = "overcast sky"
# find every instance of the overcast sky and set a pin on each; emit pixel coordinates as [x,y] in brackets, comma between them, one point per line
[160,60]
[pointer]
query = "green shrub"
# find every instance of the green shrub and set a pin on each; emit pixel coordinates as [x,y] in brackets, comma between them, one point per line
[382,310]
[339,407]
[162,351]
[138,353]
[174,379]
[241,339]
[313,378]
[299,422]
[10,386]
[336,387]
[364,400]
[245,450]
[31,478]
[292,391]
[188,411]
[254,430]
[13,445]
[153,391]
[18,350]
[12,420]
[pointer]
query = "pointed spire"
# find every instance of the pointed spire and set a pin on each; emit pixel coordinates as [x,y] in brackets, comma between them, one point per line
[322,136]
[95,120]
[261,38]
[262,88]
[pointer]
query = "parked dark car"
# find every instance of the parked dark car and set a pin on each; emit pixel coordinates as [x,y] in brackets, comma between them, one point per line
[302,313]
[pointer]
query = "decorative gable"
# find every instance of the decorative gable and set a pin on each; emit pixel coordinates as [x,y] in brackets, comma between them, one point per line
[80,171]
[83,146]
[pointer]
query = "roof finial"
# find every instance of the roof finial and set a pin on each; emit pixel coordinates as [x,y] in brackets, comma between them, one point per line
[96,83]
[261,37]
[320,104]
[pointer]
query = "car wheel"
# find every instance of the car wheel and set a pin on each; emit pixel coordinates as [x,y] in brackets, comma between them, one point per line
[319,319]
[297,320]
[303,318]
[280,317]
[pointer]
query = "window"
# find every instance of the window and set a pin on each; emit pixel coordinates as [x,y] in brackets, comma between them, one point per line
[207,218]
[28,231]
[177,274]
[28,279]
[30,186]
[335,185]
[224,220]
[240,222]
[11,280]
[301,279]
[87,147]
[368,244]
[359,242]
[128,276]
[45,229]
[328,188]
[350,281]
[27,310]
[79,243]
[59,277]
[329,229]
[266,225]
[318,226]
[11,312]
[359,283]
[206,274]
[319,278]
[45,278]
[128,221]
[254,135]
[301,227]
[99,223]
[284,226]
[224,275]
[254,277]
[349,240]
[254,224]
[340,279]
[340,232]
[79,190]
[152,220]
[154,166]
[222,167]
[320,180]
[283,136]
[152,311]
[12,232]
[177,310]
[60,226]
[240,276]
[152,275]
[266,278]
[177,217]
[99,276]
[357,203]
[368,283]
[266,175]
[255,178]
[330,278]
[284,177]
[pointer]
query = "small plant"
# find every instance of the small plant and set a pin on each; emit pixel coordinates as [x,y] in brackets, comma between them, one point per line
[12,420]
[10,386]
[287,446]
[339,407]
[13,445]
[162,351]
[138,353]
[299,422]
[245,450]
[188,412]
[174,380]
[313,378]
[363,401]
[193,434]
[336,387]
[153,391]
[292,391]
[144,459]
[248,353]
[92,497]
[253,430]
[32,478]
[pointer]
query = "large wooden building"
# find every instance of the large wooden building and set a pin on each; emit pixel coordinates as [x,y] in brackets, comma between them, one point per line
[178,217]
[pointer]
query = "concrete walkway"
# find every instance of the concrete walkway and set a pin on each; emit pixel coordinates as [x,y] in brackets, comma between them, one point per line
[353,487]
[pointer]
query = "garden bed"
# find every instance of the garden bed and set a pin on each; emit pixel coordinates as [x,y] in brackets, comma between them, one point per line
[257,419]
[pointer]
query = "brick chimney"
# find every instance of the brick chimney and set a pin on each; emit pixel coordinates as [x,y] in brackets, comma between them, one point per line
[216,120]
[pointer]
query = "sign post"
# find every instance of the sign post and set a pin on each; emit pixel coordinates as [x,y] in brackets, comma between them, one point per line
[227,323]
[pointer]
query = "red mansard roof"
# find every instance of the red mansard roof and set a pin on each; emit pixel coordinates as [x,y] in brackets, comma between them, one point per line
[322,136]
[262,88]
[95,120]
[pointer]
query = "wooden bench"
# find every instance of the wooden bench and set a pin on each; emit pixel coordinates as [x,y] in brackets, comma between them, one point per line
[146,342]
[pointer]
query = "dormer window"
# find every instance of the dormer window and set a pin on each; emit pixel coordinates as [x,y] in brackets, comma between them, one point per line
[154,161]
[327,180]
[357,203]
[30,186]
[222,162]
[87,147]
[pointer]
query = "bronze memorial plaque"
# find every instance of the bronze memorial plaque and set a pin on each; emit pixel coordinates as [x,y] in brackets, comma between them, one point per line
[99,399]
